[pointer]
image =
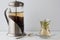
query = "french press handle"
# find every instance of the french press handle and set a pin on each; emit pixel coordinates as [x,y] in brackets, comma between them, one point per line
[5,14]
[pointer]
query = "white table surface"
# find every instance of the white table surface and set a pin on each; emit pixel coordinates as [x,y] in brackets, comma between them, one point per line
[55,36]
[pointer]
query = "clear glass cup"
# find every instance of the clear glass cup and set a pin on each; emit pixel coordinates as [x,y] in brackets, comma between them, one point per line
[45,30]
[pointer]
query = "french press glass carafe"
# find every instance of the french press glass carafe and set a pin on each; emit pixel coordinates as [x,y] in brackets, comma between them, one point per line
[15,18]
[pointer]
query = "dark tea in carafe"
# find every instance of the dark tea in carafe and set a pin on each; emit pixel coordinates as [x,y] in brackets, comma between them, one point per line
[18,18]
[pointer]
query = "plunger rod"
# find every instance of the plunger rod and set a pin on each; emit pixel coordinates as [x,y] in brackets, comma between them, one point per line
[16,9]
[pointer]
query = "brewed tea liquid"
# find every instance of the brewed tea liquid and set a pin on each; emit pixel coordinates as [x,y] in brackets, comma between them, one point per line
[18,18]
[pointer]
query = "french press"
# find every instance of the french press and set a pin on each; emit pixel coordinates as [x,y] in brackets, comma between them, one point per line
[15,18]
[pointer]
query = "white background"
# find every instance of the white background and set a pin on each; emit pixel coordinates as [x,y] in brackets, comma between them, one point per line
[34,11]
